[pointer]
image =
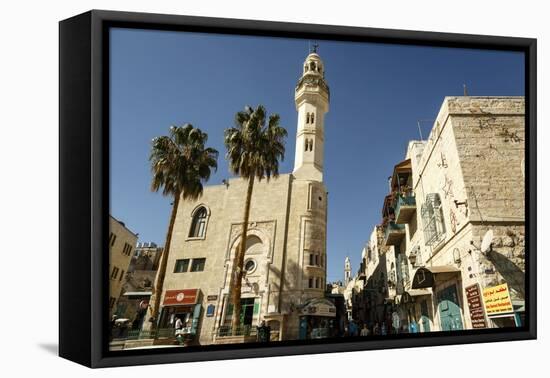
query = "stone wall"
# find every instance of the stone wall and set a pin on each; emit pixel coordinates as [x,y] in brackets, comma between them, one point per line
[119,258]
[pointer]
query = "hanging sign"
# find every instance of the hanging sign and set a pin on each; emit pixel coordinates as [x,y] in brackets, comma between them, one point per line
[475,304]
[181,297]
[497,300]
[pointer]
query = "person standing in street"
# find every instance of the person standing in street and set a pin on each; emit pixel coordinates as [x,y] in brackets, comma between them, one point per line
[365,331]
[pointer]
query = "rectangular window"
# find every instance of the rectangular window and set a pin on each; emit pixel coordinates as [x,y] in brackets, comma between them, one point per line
[127,249]
[121,275]
[317,260]
[197,265]
[310,284]
[182,266]
[112,301]
[311,257]
[114,273]
[309,196]
[112,238]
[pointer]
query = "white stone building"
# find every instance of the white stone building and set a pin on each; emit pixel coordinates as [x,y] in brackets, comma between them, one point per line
[464,183]
[285,258]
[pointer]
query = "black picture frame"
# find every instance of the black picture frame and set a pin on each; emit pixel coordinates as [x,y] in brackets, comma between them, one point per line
[84,186]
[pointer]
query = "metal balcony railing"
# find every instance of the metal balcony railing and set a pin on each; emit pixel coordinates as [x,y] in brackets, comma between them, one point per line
[243,330]
[135,334]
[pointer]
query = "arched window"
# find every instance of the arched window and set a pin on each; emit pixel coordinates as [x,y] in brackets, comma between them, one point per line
[307,118]
[312,117]
[311,144]
[198,224]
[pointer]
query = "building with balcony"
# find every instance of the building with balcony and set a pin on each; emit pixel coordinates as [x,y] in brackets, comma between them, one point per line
[465,183]
[137,285]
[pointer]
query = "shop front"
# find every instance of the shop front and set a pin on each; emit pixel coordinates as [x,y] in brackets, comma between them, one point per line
[185,305]
[317,319]
[413,311]
[444,281]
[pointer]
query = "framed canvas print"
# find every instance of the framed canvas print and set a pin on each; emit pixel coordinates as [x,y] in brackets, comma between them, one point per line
[234,188]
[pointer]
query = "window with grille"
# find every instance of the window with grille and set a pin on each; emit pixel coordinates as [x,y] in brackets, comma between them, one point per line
[432,219]
[198,225]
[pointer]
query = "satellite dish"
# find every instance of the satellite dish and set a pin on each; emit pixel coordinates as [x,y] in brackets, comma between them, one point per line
[487,241]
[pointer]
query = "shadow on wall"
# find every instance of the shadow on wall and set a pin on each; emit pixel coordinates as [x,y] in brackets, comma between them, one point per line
[291,274]
[509,271]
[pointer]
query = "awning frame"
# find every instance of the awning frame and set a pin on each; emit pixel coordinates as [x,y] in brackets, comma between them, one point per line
[424,277]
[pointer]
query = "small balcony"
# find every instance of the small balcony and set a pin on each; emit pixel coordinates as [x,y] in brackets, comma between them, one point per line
[405,207]
[394,233]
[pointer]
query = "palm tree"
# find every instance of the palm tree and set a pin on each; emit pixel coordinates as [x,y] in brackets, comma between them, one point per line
[180,163]
[254,149]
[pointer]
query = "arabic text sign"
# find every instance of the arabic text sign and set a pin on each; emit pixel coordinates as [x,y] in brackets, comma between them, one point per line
[475,304]
[497,300]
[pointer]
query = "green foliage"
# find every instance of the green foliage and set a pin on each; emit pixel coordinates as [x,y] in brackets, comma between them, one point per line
[254,146]
[181,163]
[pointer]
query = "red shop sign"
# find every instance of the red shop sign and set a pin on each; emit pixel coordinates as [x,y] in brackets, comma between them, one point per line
[181,297]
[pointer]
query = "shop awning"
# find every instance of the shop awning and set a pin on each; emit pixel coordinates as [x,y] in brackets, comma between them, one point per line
[409,295]
[425,277]
[138,294]
[419,292]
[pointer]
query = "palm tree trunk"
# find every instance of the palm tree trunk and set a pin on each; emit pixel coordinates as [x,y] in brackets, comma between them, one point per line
[159,281]
[238,263]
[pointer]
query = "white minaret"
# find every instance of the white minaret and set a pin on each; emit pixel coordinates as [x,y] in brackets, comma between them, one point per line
[347,271]
[312,100]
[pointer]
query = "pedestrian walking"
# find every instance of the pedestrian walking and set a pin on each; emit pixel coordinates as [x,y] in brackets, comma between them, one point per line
[178,325]
[353,329]
[365,331]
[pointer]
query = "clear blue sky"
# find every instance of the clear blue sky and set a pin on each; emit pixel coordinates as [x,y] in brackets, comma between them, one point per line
[378,92]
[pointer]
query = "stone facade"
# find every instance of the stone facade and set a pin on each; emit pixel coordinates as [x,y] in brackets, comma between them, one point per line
[465,180]
[138,282]
[122,244]
[285,259]
[473,159]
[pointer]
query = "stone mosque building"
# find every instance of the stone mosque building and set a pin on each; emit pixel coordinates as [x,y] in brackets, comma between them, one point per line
[285,259]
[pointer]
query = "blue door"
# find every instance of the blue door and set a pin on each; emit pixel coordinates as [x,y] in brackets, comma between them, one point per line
[425,316]
[449,309]
[303,328]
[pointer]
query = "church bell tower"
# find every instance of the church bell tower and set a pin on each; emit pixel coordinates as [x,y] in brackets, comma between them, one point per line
[312,102]
[347,271]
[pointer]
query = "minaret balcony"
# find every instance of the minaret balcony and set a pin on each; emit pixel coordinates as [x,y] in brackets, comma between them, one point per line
[393,234]
[405,207]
